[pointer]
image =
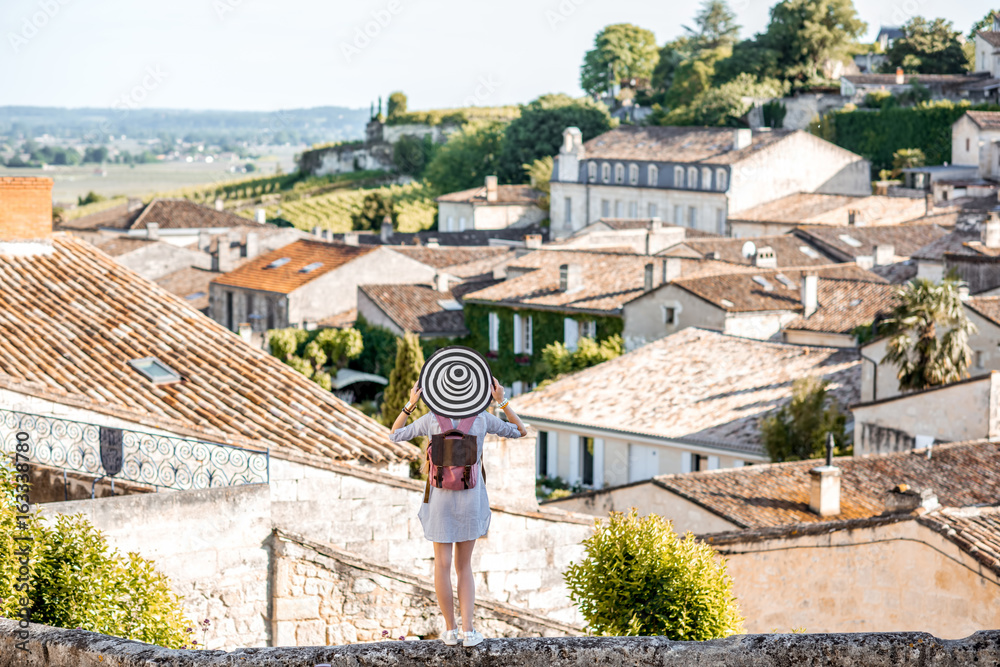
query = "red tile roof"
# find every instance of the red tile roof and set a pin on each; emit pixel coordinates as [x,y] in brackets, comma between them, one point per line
[168,213]
[88,316]
[844,305]
[418,308]
[289,276]
[976,530]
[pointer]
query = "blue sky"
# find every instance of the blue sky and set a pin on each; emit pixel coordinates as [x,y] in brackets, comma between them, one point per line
[273,54]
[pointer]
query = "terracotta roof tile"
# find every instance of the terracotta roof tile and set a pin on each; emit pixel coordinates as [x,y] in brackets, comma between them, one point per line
[418,308]
[189,284]
[643,223]
[168,213]
[121,245]
[777,494]
[289,276]
[695,385]
[711,145]
[987,306]
[451,257]
[846,304]
[767,289]
[506,195]
[849,244]
[788,250]
[609,279]
[116,217]
[89,316]
[822,209]
[976,530]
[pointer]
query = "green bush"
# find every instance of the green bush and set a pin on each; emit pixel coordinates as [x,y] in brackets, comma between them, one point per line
[340,345]
[559,359]
[378,354]
[798,430]
[77,581]
[638,577]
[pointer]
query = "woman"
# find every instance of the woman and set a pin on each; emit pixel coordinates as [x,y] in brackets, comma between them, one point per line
[457,518]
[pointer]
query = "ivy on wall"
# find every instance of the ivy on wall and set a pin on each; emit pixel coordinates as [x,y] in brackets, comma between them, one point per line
[546,327]
[876,135]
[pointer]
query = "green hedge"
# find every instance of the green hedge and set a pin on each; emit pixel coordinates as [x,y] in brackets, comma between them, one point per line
[546,327]
[877,134]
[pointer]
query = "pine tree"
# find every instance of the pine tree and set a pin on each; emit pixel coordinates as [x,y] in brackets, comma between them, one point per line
[409,361]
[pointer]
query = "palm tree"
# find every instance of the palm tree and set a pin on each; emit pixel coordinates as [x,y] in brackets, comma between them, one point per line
[929,334]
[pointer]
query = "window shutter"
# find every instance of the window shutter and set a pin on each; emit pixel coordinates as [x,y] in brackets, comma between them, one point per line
[552,446]
[528,337]
[571,333]
[517,334]
[685,461]
[598,463]
[574,460]
[713,462]
[494,323]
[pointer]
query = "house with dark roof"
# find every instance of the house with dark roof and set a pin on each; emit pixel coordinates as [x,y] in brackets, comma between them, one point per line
[971,250]
[887,543]
[692,176]
[490,206]
[975,142]
[828,301]
[766,252]
[430,311]
[784,214]
[689,401]
[305,282]
[975,86]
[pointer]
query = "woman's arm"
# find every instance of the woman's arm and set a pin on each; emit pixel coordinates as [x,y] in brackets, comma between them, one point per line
[415,393]
[400,431]
[507,410]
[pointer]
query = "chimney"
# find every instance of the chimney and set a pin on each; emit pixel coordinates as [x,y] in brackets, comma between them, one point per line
[252,247]
[900,77]
[350,238]
[655,225]
[903,498]
[316,230]
[884,254]
[153,231]
[571,156]
[810,294]
[246,331]
[570,278]
[441,282]
[218,204]
[224,256]
[204,241]
[824,485]
[765,259]
[25,208]
[260,215]
[742,138]
[991,231]
[854,218]
[647,275]
[533,241]
[491,189]
[385,232]
[712,254]
[134,204]
[671,269]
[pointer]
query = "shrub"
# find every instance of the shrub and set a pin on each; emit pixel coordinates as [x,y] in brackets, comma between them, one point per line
[340,345]
[798,430]
[638,577]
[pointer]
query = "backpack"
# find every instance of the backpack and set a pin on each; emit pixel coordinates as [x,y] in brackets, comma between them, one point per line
[453,457]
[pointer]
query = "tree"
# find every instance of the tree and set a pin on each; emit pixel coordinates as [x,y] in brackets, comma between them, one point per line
[397,104]
[77,581]
[983,24]
[621,52]
[694,76]
[905,158]
[540,177]
[409,361]
[340,345]
[316,354]
[559,359]
[91,198]
[470,155]
[671,56]
[801,38]
[412,154]
[929,334]
[98,154]
[721,105]
[715,26]
[637,577]
[374,209]
[798,430]
[927,47]
[538,131]
[378,353]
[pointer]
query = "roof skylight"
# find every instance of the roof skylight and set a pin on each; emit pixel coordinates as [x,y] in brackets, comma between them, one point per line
[762,281]
[727,303]
[196,295]
[155,370]
[784,280]
[278,262]
[850,240]
[449,304]
[308,268]
[808,252]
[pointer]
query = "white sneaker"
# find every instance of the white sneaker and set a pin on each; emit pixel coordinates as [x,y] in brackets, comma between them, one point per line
[451,637]
[472,638]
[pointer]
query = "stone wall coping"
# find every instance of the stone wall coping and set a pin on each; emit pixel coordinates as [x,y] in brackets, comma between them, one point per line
[58,647]
[501,609]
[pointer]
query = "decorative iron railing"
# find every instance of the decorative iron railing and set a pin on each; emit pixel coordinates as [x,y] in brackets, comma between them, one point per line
[162,461]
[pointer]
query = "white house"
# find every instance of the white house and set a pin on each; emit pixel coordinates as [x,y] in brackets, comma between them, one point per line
[692,176]
[975,142]
[490,206]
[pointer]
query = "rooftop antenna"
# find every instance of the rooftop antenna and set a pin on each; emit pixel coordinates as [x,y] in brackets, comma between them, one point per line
[829,450]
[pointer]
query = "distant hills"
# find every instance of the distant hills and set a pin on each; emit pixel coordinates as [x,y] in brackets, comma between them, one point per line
[314,125]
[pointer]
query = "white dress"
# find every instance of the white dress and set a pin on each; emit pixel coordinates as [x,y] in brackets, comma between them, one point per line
[457,516]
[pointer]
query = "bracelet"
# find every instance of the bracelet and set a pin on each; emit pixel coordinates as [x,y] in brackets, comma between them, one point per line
[504,404]
[407,412]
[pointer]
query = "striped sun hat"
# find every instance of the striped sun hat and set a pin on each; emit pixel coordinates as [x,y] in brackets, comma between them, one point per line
[456,382]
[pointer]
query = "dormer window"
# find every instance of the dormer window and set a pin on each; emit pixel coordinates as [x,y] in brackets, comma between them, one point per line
[721,179]
[633,174]
[155,370]
[278,262]
[678,177]
[693,177]
[706,178]
[652,175]
[619,173]
[606,172]
[592,172]
[309,268]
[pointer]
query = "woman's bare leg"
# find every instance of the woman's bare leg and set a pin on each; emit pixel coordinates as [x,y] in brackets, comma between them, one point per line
[442,582]
[466,582]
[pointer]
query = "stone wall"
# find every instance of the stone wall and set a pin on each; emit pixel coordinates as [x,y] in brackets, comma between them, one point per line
[55,647]
[325,596]
[213,544]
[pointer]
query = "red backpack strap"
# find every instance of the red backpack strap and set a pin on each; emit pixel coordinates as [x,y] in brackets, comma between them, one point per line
[443,422]
[466,424]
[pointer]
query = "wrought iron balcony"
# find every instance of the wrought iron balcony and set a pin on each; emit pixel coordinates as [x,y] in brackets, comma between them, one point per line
[162,461]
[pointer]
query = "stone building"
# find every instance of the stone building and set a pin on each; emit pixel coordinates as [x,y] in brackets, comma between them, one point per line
[691,401]
[642,236]
[975,142]
[695,177]
[491,206]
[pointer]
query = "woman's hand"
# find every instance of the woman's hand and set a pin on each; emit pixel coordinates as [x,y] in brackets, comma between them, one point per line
[415,393]
[497,390]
